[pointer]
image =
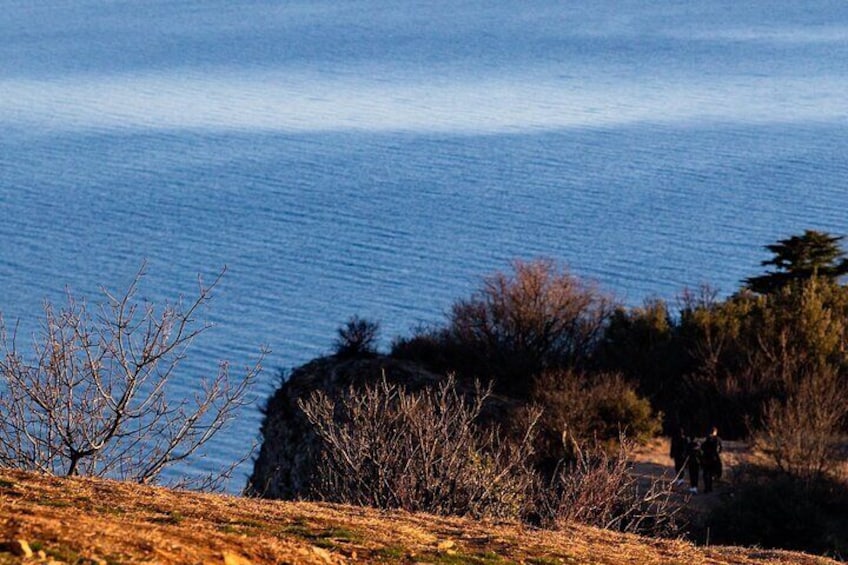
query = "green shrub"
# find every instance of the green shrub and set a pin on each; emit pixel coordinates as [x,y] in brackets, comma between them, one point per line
[775,511]
[357,337]
[588,409]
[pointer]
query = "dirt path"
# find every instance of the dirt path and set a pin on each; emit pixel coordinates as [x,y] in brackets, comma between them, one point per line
[652,461]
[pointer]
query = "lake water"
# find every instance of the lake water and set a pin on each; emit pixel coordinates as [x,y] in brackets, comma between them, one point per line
[377,158]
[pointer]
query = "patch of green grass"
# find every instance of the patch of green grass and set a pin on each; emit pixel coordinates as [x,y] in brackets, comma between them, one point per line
[240,529]
[298,527]
[54,503]
[244,527]
[299,530]
[65,554]
[115,560]
[544,561]
[173,518]
[341,534]
[392,552]
[61,553]
[325,543]
[485,558]
[326,538]
[111,510]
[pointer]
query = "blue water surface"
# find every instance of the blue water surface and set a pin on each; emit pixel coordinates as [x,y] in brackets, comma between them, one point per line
[377,158]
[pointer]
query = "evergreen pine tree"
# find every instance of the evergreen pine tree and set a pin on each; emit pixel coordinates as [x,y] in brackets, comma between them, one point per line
[800,258]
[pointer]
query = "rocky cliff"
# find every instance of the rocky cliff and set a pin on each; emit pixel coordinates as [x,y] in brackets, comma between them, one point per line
[286,461]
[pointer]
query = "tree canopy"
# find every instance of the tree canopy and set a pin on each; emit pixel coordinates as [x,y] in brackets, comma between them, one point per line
[800,258]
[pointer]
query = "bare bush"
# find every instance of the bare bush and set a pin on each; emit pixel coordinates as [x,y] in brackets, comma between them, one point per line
[540,317]
[426,451]
[600,489]
[419,451]
[92,399]
[803,432]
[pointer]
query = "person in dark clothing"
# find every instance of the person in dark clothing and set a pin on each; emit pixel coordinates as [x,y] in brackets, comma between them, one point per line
[693,463]
[678,453]
[711,459]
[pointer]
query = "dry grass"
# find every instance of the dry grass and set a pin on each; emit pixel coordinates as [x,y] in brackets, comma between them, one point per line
[89,521]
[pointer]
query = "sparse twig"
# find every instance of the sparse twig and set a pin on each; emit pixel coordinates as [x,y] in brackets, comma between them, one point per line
[93,397]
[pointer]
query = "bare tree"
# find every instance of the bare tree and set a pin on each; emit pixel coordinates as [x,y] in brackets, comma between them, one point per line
[92,399]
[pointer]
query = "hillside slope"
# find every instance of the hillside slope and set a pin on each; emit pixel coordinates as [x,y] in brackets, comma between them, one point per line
[87,521]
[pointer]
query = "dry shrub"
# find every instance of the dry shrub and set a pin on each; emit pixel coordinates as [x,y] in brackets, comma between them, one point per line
[538,317]
[803,433]
[427,451]
[600,489]
[420,451]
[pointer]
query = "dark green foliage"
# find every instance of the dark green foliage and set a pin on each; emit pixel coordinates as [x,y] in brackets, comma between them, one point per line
[435,349]
[777,512]
[357,338]
[690,365]
[645,346]
[620,409]
[799,258]
[590,409]
[721,385]
[723,362]
[641,342]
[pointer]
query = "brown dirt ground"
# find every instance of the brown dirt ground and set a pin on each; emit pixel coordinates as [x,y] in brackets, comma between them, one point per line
[86,521]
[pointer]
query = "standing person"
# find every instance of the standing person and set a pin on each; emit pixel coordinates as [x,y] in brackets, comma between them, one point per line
[678,453]
[693,463]
[711,459]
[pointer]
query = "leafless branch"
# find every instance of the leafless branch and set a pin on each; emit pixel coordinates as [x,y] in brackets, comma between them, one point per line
[93,398]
